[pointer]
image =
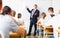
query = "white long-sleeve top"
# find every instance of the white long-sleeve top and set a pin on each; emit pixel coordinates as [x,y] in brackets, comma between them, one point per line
[6,25]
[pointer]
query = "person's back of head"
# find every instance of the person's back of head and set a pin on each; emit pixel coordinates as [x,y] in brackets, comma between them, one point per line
[6,10]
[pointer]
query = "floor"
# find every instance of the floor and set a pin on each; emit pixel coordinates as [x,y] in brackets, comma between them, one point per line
[48,36]
[32,37]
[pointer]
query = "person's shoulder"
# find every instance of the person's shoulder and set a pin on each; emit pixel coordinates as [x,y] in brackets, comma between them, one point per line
[1,16]
[38,10]
[8,17]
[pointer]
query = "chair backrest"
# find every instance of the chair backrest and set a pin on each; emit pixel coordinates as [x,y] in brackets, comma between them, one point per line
[1,35]
[59,32]
[49,30]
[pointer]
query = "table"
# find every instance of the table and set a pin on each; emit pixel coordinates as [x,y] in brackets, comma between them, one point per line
[48,29]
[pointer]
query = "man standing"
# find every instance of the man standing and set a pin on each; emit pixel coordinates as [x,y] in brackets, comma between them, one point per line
[33,18]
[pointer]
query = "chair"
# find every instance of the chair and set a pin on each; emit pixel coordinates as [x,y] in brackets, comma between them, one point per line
[58,33]
[48,30]
[22,30]
[22,33]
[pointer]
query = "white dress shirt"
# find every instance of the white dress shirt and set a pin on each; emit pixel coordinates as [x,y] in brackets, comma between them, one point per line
[55,22]
[6,25]
[20,20]
[33,13]
[41,20]
[47,18]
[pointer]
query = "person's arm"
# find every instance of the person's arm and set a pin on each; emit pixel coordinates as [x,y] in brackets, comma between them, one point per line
[14,27]
[38,22]
[15,21]
[28,10]
[37,13]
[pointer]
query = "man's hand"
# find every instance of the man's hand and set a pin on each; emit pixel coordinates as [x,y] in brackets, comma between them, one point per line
[35,14]
[26,7]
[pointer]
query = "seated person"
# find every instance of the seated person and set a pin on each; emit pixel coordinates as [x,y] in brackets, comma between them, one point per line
[7,24]
[20,20]
[49,16]
[55,22]
[13,14]
[21,24]
[41,21]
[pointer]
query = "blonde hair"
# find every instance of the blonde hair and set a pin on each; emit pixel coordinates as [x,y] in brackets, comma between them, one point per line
[44,14]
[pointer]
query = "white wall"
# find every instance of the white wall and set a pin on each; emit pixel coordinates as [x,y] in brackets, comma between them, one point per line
[19,7]
[56,5]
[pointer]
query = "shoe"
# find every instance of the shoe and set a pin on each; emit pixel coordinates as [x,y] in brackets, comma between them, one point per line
[34,35]
[28,34]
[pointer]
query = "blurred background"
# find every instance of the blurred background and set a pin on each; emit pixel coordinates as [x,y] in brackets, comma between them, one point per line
[19,7]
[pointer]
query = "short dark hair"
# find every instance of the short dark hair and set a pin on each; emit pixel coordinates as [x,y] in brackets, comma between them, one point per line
[6,10]
[19,15]
[51,9]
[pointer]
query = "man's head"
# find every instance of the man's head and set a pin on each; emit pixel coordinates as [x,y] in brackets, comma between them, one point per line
[19,15]
[35,6]
[51,10]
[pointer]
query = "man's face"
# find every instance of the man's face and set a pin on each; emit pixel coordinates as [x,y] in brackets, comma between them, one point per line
[35,6]
[50,12]
[19,16]
[42,16]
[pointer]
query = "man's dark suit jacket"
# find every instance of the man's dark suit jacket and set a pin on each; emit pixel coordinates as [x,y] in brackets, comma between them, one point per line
[37,12]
